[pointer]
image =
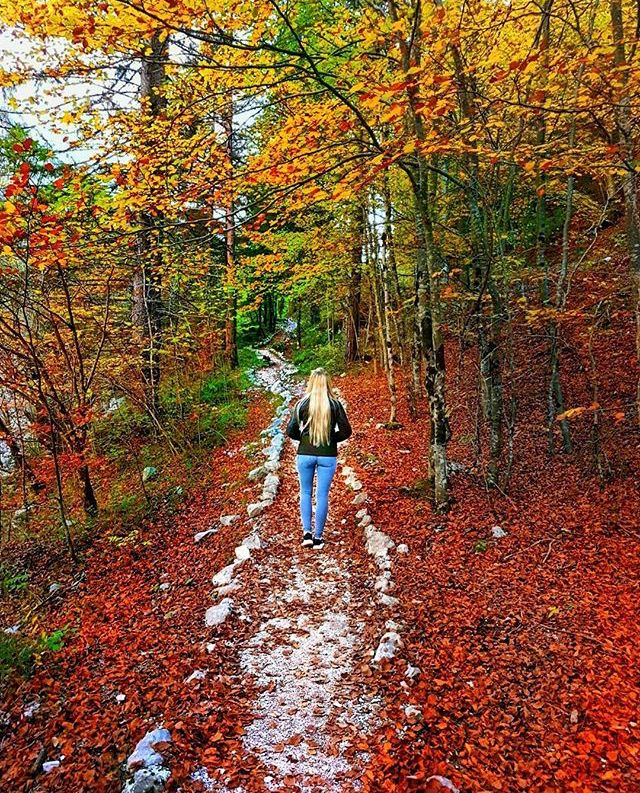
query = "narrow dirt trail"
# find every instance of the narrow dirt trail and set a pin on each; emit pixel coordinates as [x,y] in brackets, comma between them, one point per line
[315,622]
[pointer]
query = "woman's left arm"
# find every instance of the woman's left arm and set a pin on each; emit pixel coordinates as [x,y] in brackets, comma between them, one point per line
[293,427]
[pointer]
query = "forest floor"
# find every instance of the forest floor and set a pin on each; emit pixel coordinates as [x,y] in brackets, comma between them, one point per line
[514,666]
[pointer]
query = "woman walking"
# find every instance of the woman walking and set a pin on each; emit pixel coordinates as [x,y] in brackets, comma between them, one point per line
[319,422]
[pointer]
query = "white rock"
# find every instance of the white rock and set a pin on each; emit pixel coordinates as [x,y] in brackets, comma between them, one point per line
[199,674]
[256,508]
[360,498]
[202,534]
[402,548]
[164,586]
[412,712]
[121,697]
[354,484]
[388,600]
[54,587]
[227,520]
[347,471]
[412,671]
[389,644]
[224,576]
[223,591]
[201,775]
[148,780]
[361,513]
[252,541]
[145,755]
[217,614]
[377,542]
[366,520]
[270,487]
[498,532]
[257,473]
[383,582]
[31,709]
[447,784]
[149,473]
[50,765]
[242,552]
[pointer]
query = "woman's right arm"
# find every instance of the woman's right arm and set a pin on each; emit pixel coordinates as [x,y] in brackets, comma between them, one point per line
[344,428]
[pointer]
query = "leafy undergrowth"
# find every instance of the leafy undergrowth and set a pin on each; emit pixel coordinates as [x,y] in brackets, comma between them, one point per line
[527,643]
[131,645]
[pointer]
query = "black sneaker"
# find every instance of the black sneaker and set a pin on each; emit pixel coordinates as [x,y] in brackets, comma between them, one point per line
[307,540]
[318,543]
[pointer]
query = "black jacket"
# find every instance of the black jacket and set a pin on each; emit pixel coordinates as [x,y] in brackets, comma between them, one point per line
[340,429]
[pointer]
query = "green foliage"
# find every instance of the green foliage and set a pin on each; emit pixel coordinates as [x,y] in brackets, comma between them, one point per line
[480,547]
[329,355]
[248,358]
[19,654]
[16,655]
[52,642]
[111,433]
[129,508]
[217,388]
[13,581]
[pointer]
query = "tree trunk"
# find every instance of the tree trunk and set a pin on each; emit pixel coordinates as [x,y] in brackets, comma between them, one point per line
[432,345]
[231,307]
[89,501]
[428,299]
[352,350]
[624,123]
[147,279]
[395,296]
[388,346]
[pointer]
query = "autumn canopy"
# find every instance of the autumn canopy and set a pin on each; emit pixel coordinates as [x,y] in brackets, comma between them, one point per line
[440,199]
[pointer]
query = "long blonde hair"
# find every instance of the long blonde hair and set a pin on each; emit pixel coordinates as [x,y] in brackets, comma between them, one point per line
[319,414]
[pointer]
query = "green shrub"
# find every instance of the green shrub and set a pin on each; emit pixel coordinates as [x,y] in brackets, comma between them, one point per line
[330,356]
[13,581]
[112,432]
[19,654]
[16,655]
[248,358]
[218,387]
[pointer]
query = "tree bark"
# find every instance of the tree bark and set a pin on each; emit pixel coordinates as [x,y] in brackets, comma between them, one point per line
[147,280]
[630,178]
[231,307]
[352,336]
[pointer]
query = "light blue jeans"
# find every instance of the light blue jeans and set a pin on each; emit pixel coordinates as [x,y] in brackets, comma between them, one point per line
[307,465]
